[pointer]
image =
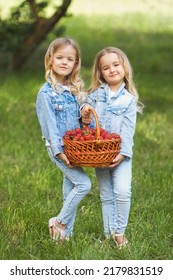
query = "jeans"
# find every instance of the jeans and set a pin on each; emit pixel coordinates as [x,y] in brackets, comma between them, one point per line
[115,195]
[76,185]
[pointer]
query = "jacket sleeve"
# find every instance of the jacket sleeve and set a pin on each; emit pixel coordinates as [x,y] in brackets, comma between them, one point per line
[128,129]
[47,119]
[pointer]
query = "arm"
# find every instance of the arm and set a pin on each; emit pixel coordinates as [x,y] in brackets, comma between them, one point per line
[47,119]
[46,115]
[127,134]
[85,111]
[128,129]
[86,114]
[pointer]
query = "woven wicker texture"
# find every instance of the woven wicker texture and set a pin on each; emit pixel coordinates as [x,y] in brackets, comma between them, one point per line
[94,153]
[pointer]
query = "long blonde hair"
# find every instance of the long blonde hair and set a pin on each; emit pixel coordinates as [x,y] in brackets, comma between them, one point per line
[97,78]
[73,80]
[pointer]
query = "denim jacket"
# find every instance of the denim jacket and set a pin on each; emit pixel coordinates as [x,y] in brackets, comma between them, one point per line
[57,111]
[116,114]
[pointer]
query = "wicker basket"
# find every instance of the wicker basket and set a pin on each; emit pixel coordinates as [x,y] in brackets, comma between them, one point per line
[94,153]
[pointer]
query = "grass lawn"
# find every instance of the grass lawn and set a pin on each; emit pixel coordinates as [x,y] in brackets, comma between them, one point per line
[30,186]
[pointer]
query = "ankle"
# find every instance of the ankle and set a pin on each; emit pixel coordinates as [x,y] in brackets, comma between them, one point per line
[119,238]
[59,225]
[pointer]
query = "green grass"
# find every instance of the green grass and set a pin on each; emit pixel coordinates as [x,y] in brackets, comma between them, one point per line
[30,186]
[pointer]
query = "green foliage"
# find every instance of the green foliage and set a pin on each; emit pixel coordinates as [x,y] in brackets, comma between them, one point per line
[18,24]
[15,27]
[23,30]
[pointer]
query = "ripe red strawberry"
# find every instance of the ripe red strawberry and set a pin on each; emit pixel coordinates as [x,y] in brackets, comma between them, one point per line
[86,130]
[87,137]
[78,130]
[81,138]
[108,136]
[104,134]
[68,132]
[76,138]
[93,137]
[67,137]
[79,134]
[115,135]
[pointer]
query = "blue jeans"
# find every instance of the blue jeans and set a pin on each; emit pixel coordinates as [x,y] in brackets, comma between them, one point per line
[115,195]
[76,185]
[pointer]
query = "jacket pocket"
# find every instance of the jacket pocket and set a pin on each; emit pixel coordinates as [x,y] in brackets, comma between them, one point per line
[59,106]
[119,111]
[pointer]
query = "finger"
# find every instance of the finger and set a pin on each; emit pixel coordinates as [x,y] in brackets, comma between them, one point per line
[113,164]
[68,163]
[86,120]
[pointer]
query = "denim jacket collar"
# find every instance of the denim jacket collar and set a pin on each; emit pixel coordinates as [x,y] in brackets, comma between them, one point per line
[60,88]
[107,88]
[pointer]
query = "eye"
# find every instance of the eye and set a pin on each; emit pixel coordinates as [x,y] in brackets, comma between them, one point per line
[71,59]
[105,68]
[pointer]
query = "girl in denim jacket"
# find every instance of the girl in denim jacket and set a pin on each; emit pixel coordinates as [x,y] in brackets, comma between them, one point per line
[57,109]
[114,97]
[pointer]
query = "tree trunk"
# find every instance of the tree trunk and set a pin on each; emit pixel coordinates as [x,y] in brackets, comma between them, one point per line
[42,28]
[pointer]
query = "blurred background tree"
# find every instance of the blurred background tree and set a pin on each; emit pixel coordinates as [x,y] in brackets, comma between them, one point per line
[26,27]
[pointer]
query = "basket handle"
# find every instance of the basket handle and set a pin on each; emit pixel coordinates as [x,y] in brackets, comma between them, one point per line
[97,123]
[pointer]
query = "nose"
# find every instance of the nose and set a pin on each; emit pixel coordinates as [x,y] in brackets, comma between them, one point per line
[112,68]
[64,61]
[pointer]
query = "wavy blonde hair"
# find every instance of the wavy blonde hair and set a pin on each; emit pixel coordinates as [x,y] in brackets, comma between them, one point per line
[97,78]
[73,80]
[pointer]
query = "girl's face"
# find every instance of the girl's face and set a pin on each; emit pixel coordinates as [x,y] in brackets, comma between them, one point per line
[64,60]
[112,70]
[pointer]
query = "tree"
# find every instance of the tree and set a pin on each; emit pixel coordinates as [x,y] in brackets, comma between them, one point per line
[26,28]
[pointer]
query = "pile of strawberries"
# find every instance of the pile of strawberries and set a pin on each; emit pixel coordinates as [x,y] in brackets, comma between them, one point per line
[88,134]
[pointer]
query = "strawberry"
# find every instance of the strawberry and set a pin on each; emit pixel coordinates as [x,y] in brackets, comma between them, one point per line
[87,137]
[81,138]
[93,137]
[108,136]
[115,136]
[86,130]
[76,138]
[79,134]
[68,132]
[104,134]
[101,130]
[67,137]
[93,131]
[78,130]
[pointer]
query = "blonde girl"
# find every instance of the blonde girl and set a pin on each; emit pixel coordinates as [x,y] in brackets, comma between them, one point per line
[57,109]
[114,97]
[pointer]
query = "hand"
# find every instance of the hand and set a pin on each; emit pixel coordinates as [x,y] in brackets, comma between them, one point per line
[86,114]
[86,119]
[116,161]
[63,157]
